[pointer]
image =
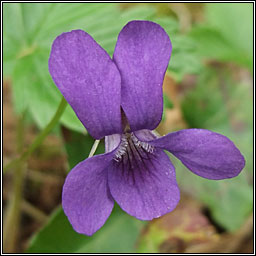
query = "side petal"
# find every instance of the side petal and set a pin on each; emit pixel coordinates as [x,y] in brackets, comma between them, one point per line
[142,55]
[85,197]
[89,80]
[207,154]
[144,186]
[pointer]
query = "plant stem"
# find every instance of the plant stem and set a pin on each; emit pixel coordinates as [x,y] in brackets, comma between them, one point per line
[39,139]
[94,148]
[12,214]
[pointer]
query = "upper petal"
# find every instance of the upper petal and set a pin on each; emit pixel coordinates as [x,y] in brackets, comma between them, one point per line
[144,184]
[89,80]
[85,198]
[142,55]
[207,154]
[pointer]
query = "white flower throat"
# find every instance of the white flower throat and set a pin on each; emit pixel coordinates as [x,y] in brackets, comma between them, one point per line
[130,148]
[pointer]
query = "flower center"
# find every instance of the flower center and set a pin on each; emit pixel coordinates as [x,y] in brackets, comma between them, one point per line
[131,148]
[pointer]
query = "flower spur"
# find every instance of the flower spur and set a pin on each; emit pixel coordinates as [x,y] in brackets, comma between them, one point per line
[121,99]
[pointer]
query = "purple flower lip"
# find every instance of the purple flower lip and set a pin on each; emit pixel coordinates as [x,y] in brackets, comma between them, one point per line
[121,99]
[130,147]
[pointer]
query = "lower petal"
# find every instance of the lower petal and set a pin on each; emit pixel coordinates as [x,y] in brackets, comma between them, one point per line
[144,184]
[86,199]
[207,154]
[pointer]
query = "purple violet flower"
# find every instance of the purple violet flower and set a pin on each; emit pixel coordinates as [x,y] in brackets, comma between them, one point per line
[121,99]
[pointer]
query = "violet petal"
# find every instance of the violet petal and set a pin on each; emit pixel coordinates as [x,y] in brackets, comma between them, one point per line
[206,153]
[142,55]
[89,80]
[85,198]
[145,187]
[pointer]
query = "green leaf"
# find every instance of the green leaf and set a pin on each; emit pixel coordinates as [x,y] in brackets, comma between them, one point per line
[13,35]
[212,43]
[78,147]
[235,22]
[118,235]
[13,23]
[228,33]
[234,199]
[184,59]
[170,25]
[21,84]
[71,121]
[34,15]
[204,104]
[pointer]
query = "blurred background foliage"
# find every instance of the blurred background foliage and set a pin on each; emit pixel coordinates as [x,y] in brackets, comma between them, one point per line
[208,85]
